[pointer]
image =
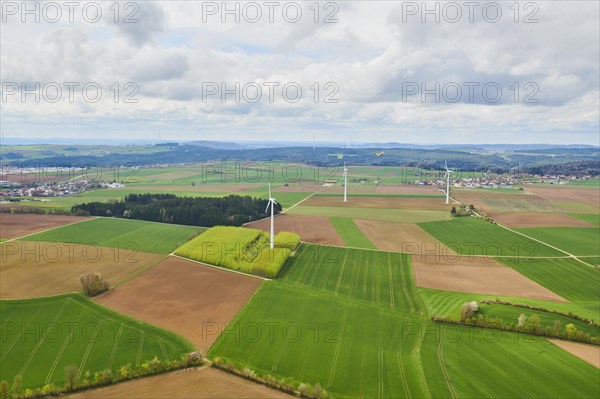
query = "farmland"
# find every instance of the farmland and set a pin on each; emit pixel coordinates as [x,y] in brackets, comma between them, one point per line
[472,236]
[396,358]
[121,233]
[178,281]
[314,229]
[350,233]
[17,225]
[393,215]
[574,240]
[567,277]
[242,249]
[70,330]
[383,279]
[32,269]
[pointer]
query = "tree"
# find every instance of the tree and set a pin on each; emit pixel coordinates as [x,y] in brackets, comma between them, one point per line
[556,328]
[521,320]
[93,284]
[535,324]
[468,310]
[4,390]
[571,330]
[71,375]
[453,211]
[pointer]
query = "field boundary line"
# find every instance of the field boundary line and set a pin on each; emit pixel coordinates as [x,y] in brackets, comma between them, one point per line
[546,244]
[220,268]
[454,256]
[302,200]
[61,351]
[50,229]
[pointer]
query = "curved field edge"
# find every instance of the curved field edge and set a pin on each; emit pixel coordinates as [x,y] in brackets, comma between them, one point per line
[89,336]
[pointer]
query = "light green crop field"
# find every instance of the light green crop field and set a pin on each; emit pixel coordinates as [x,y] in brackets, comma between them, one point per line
[473,236]
[381,195]
[447,303]
[143,236]
[286,199]
[574,240]
[103,194]
[382,279]
[392,215]
[42,336]
[350,233]
[567,277]
[520,205]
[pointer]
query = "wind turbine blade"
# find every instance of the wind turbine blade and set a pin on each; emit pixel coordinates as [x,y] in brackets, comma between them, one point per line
[267,208]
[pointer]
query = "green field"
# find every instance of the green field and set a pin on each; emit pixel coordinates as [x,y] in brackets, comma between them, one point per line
[473,236]
[574,240]
[354,351]
[42,336]
[350,233]
[392,215]
[447,303]
[151,237]
[243,249]
[567,277]
[382,279]
[589,218]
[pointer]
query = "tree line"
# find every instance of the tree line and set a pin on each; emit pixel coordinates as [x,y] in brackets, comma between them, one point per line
[232,210]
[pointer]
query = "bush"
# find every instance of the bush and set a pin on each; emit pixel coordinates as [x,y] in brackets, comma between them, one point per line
[93,284]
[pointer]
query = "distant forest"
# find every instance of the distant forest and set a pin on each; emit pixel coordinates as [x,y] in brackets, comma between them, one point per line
[233,210]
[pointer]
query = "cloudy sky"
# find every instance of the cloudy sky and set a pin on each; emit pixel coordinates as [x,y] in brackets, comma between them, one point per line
[491,72]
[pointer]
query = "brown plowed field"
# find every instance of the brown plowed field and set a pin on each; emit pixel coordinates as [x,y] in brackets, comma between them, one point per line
[432,204]
[315,229]
[204,383]
[402,237]
[524,219]
[32,269]
[190,299]
[13,225]
[590,196]
[477,275]
[589,353]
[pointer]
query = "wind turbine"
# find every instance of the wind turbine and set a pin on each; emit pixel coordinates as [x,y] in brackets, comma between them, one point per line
[272,204]
[448,171]
[345,183]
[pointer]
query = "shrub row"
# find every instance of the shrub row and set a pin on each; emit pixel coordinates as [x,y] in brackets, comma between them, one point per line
[97,379]
[287,385]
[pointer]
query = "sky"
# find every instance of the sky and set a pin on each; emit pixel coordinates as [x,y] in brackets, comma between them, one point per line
[376,71]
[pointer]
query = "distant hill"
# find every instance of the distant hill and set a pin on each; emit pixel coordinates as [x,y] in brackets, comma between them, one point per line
[220,145]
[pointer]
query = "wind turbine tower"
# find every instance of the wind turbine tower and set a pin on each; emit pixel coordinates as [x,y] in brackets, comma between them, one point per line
[272,205]
[345,183]
[448,171]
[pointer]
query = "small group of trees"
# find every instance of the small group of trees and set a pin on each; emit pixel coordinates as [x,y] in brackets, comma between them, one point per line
[285,384]
[462,210]
[470,316]
[93,284]
[75,382]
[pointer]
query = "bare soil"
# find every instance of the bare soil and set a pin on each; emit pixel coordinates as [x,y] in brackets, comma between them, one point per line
[203,383]
[315,229]
[589,196]
[589,353]
[190,299]
[402,237]
[13,225]
[32,269]
[433,204]
[523,219]
[478,275]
